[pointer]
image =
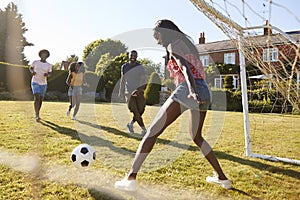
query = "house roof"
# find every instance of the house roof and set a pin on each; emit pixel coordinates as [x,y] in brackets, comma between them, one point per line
[229,45]
[218,46]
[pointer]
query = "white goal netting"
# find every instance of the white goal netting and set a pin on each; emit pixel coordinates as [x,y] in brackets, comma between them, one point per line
[269,72]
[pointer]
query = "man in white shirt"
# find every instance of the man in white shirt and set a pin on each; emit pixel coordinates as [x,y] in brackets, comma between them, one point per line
[40,70]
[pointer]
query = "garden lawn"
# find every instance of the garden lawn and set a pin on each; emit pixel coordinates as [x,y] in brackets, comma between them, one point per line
[35,157]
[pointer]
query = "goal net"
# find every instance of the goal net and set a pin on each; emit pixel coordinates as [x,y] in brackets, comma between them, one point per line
[269,73]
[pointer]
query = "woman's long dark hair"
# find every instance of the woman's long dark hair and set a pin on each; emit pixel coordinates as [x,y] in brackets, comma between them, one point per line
[170,32]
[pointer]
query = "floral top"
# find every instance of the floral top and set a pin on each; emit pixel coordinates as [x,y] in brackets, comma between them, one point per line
[196,68]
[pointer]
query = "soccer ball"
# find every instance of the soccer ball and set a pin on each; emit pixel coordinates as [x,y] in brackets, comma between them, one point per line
[83,156]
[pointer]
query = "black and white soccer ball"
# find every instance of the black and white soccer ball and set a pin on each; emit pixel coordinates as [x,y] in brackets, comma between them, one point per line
[83,156]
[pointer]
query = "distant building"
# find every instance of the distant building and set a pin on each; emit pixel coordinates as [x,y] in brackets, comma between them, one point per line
[64,65]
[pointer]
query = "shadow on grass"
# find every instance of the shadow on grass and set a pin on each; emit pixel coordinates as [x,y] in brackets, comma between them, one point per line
[136,136]
[91,140]
[259,165]
[60,129]
[100,195]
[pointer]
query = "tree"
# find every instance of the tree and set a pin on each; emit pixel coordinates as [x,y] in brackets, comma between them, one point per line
[152,92]
[104,62]
[151,67]
[12,40]
[111,74]
[98,48]
[72,58]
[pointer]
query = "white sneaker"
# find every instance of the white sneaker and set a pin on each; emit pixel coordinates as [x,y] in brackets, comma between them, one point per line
[130,128]
[74,118]
[68,113]
[215,179]
[125,184]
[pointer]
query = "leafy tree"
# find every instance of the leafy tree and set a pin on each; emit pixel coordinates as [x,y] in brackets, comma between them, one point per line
[70,59]
[211,72]
[90,47]
[152,92]
[151,67]
[111,74]
[12,40]
[98,48]
[104,62]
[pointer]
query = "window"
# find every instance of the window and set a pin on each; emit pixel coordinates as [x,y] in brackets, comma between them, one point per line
[270,55]
[204,60]
[219,81]
[229,58]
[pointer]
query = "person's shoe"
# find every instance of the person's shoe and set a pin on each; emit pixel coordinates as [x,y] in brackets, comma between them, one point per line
[125,184]
[143,132]
[74,118]
[130,128]
[215,179]
[68,113]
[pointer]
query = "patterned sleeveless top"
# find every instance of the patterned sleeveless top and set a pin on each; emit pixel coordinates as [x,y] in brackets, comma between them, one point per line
[196,68]
[77,79]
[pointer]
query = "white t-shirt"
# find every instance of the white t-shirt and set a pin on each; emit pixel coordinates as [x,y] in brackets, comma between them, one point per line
[40,68]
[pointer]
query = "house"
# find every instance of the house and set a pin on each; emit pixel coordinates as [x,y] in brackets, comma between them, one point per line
[219,52]
[226,52]
[65,65]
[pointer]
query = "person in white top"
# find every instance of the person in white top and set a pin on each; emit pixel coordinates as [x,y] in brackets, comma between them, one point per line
[40,70]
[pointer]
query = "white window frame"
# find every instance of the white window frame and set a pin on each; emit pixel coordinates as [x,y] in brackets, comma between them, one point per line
[219,81]
[270,55]
[204,60]
[229,58]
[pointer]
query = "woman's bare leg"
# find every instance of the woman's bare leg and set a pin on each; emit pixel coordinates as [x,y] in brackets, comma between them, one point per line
[196,124]
[77,104]
[168,113]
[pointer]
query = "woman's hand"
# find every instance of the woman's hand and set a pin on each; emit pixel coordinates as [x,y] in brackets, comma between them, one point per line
[135,93]
[86,85]
[195,96]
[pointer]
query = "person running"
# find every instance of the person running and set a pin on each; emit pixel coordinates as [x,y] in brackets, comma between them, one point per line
[75,80]
[133,83]
[72,69]
[192,93]
[40,70]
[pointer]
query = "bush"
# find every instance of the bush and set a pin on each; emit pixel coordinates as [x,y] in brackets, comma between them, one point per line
[53,96]
[152,92]
[228,82]
[169,83]
[6,96]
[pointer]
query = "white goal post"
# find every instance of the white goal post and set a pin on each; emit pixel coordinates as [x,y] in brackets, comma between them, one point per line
[249,46]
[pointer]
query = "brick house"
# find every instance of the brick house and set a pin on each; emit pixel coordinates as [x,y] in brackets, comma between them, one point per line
[226,52]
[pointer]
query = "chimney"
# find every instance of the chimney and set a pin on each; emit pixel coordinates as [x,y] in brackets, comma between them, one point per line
[267,28]
[202,38]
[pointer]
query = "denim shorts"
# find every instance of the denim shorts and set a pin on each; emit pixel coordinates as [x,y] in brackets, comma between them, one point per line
[38,89]
[70,91]
[76,90]
[181,92]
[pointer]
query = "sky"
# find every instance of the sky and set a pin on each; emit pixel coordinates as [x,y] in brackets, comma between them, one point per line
[66,27]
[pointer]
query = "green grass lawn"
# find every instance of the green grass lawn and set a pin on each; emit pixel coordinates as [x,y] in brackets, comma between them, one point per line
[35,157]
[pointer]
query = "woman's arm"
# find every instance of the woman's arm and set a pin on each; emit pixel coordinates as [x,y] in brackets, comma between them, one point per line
[84,83]
[177,51]
[184,67]
[68,80]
